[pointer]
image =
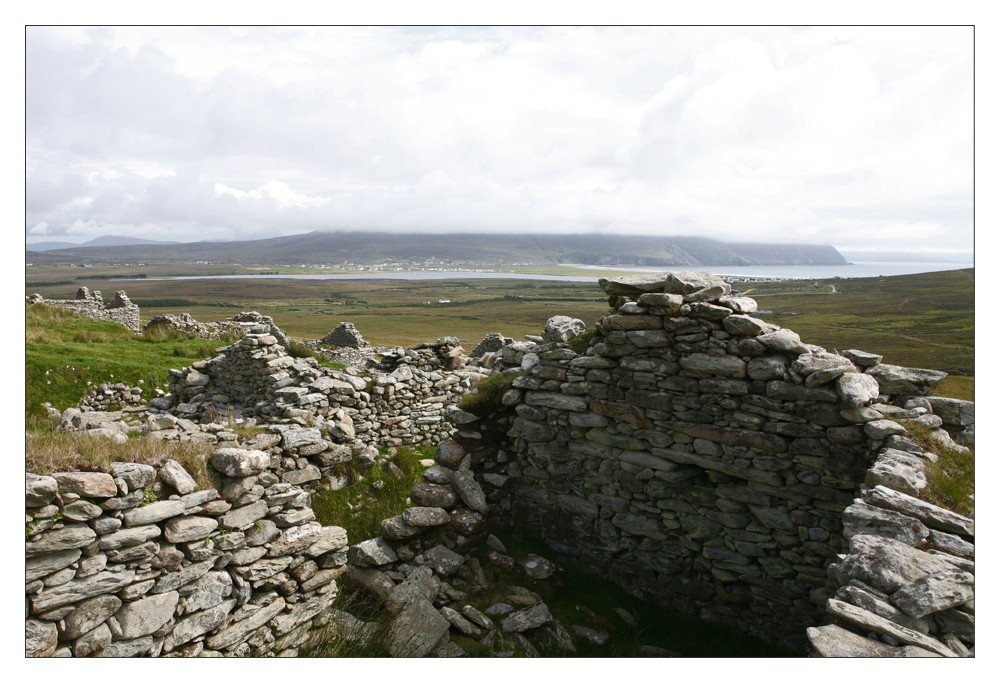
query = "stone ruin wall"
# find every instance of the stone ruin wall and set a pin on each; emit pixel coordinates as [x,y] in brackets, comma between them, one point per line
[693,454]
[240,571]
[90,304]
[713,462]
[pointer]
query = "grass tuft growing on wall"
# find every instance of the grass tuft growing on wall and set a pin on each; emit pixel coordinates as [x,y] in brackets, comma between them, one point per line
[487,394]
[581,342]
[299,350]
[951,480]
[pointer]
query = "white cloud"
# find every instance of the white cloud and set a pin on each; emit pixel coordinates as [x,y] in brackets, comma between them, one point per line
[737,133]
[275,190]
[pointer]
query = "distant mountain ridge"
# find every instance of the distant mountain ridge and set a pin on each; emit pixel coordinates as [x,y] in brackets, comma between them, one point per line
[102,241]
[316,248]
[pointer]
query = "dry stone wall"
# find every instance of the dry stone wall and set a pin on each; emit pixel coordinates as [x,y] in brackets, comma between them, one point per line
[242,570]
[247,322]
[255,377]
[90,304]
[698,455]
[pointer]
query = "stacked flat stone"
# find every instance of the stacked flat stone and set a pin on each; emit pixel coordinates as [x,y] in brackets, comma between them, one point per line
[699,455]
[906,585]
[511,356]
[344,334]
[255,375]
[958,418]
[253,322]
[244,572]
[491,343]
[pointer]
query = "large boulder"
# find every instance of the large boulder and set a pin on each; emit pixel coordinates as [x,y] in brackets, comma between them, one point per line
[894,379]
[238,462]
[417,629]
[692,285]
[562,328]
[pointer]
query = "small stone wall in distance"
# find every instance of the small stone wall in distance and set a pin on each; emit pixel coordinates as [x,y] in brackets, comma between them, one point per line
[90,304]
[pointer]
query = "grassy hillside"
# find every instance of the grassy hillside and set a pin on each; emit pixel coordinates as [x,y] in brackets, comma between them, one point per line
[66,356]
[374,247]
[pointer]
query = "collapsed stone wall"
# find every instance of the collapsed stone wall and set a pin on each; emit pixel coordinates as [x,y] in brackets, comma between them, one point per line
[90,304]
[698,456]
[241,571]
[246,322]
[255,377]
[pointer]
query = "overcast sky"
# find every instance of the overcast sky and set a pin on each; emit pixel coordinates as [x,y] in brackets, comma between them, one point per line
[859,137]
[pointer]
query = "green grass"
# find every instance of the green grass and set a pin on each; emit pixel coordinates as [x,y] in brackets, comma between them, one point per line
[925,320]
[247,433]
[298,350]
[358,507]
[951,481]
[64,352]
[484,397]
[581,342]
[956,386]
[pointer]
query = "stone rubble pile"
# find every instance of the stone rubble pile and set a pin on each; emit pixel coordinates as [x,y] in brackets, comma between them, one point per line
[91,305]
[421,568]
[344,334]
[114,425]
[107,396]
[445,353]
[240,571]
